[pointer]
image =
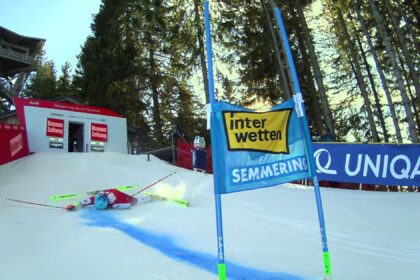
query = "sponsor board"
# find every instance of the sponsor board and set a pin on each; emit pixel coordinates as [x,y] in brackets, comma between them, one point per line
[382,164]
[97,146]
[99,132]
[56,143]
[55,127]
[13,142]
[253,131]
[16,145]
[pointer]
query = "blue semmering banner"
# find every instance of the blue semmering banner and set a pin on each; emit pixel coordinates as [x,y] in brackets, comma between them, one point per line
[257,149]
[382,164]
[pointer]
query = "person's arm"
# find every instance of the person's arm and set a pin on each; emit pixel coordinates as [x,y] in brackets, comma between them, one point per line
[89,201]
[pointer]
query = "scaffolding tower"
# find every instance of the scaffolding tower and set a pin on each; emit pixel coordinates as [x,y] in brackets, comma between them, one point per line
[17,60]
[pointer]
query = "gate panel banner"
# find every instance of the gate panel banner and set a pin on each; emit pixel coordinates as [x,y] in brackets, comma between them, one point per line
[257,149]
[382,164]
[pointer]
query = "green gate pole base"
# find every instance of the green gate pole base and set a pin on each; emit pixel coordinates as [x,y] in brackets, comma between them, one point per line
[222,271]
[327,265]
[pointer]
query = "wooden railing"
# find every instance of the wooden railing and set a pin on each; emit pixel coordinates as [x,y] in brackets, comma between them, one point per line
[10,54]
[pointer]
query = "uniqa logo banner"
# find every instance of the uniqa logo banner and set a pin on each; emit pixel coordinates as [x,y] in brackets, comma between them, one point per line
[256,149]
[382,164]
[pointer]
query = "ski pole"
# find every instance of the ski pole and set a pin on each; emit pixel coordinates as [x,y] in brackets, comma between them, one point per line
[69,207]
[145,188]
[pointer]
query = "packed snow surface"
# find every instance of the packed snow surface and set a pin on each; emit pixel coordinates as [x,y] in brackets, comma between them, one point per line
[270,233]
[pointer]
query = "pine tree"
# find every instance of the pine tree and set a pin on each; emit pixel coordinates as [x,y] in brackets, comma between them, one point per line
[138,51]
[43,83]
[244,29]
[375,25]
[64,83]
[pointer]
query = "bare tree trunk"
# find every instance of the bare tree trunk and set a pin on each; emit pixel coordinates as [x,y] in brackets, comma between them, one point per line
[289,75]
[359,76]
[353,69]
[280,68]
[397,73]
[200,39]
[316,68]
[403,46]
[314,101]
[155,97]
[375,93]
[381,73]
[409,26]
[410,93]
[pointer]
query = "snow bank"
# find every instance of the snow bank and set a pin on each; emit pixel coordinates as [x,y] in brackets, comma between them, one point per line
[270,233]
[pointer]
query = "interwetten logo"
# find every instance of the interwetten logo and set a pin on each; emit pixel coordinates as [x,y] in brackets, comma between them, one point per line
[254,131]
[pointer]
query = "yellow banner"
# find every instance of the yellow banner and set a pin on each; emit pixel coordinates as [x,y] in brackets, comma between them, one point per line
[253,131]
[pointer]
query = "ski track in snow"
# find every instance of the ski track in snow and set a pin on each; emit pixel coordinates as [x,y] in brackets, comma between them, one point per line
[167,246]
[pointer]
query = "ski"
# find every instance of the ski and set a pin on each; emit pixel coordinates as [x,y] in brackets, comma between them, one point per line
[178,201]
[59,197]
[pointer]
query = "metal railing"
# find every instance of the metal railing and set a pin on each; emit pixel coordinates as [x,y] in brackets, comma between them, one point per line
[10,54]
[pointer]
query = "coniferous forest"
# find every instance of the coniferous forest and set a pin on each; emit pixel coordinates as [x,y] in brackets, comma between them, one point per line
[357,62]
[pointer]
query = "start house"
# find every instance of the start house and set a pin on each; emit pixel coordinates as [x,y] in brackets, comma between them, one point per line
[66,127]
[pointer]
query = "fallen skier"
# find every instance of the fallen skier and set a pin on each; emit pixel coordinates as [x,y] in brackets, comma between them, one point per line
[113,198]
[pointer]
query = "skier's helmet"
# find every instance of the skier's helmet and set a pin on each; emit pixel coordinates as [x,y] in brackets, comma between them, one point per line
[101,201]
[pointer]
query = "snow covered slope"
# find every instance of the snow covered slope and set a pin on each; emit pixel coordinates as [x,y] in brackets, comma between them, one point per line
[270,233]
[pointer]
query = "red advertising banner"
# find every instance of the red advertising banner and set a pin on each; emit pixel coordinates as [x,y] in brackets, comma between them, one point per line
[185,156]
[55,127]
[20,103]
[13,142]
[99,132]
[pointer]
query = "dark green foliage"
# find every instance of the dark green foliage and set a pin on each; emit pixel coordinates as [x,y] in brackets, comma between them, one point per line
[243,31]
[64,83]
[43,82]
[136,63]
[143,54]
[344,81]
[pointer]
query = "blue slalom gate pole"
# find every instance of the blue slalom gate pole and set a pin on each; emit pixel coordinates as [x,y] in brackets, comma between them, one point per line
[217,198]
[301,112]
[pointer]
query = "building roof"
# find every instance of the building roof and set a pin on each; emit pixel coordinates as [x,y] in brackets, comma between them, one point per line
[67,99]
[31,43]
[17,52]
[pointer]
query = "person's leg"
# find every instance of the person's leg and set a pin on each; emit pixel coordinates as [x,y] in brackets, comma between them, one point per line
[141,199]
